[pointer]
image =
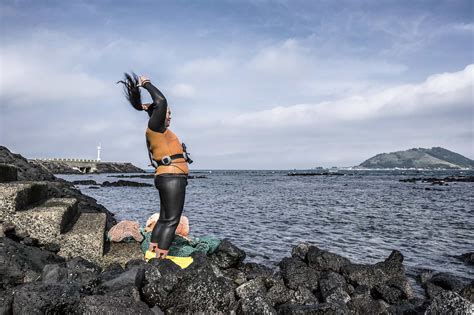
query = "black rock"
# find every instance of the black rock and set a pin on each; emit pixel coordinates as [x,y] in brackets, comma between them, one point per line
[468,292]
[131,278]
[316,309]
[54,274]
[152,273]
[200,290]
[6,301]
[323,260]
[296,273]
[446,281]
[8,173]
[85,182]
[279,294]
[228,255]
[448,302]
[362,302]
[332,285]
[111,271]
[106,304]
[254,270]
[251,288]
[52,247]
[235,275]
[257,304]
[303,296]
[300,251]
[30,241]
[387,293]
[21,261]
[468,258]
[412,307]
[122,183]
[45,298]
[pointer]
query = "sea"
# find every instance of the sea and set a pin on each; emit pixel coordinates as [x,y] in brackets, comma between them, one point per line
[361,214]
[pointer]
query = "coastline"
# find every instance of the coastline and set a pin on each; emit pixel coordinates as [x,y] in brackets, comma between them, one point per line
[312,280]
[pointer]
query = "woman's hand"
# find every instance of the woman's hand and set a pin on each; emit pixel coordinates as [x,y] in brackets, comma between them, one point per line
[142,80]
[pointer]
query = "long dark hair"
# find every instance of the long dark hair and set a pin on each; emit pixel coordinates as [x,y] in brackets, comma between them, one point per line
[131,90]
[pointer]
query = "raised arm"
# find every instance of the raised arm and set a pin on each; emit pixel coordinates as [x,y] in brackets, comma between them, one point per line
[160,107]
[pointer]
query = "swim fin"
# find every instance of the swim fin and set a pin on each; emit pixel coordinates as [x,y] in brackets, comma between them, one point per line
[182,262]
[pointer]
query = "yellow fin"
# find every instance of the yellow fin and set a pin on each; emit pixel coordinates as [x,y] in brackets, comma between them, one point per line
[182,262]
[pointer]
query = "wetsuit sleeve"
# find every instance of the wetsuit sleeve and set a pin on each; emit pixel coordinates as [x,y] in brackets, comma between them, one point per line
[157,119]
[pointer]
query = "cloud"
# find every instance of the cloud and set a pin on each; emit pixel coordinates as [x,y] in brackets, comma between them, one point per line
[445,90]
[183,90]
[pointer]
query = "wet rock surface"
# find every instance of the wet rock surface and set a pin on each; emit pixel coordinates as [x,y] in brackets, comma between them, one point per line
[311,281]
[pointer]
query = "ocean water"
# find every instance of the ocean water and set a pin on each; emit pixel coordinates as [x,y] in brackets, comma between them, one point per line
[362,215]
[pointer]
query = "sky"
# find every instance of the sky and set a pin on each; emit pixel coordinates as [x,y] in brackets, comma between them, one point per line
[251,84]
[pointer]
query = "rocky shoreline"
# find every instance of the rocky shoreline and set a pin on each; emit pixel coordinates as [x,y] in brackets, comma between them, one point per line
[63,264]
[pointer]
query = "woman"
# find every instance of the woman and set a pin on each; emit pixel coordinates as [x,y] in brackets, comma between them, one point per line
[168,156]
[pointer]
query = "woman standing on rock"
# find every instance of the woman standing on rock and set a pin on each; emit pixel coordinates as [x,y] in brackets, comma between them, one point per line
[167,155]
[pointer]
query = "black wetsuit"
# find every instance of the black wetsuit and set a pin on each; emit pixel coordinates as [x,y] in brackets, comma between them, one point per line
[172,187]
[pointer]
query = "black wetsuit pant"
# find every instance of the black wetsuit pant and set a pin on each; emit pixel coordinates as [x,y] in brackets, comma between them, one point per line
[172,188]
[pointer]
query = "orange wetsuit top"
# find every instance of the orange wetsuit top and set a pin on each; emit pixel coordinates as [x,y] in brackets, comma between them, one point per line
[161,141]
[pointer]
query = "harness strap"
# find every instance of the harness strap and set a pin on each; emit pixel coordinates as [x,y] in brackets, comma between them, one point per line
[171,158]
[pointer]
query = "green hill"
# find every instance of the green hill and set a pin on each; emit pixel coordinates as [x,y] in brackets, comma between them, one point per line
[434,158]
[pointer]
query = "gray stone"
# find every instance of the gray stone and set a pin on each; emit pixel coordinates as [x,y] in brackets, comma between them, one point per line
[251,288]
[122,253]
[448,302]
[48,221]
[86,238]
[18,196]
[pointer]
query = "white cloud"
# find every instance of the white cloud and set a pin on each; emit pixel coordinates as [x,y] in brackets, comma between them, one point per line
[183,90]
[438,91]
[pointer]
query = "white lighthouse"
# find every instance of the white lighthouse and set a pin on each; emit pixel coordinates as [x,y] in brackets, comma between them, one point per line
[98,153]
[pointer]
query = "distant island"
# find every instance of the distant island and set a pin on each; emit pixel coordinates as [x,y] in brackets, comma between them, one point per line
[434,158]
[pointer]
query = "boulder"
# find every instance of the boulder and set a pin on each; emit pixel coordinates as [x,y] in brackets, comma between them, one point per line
[468,292]
[228,255]
[300,251]
[256,304]
[254,270]
[323,260]
[20,259]
[251,288]
[200,290]
[448,302]
[296,273]
[316,309]
[106,304]
[45,298]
